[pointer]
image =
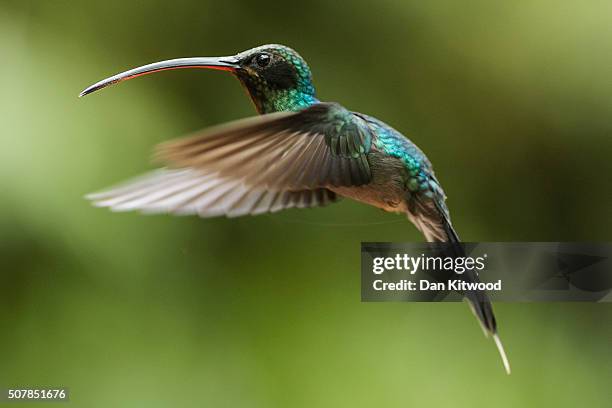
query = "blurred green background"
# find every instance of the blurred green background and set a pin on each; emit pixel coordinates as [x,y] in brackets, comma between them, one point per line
[512,102]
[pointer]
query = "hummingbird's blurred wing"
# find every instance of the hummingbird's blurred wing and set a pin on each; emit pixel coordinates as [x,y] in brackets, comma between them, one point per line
[321,146]
[190,191]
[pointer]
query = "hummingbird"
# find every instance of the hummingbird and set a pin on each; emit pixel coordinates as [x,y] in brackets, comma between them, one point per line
[299,152]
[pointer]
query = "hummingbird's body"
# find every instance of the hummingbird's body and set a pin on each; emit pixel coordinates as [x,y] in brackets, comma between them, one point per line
[300,152]
[403,181]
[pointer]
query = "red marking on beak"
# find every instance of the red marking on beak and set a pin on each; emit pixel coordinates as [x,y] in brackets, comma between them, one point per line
[217,63]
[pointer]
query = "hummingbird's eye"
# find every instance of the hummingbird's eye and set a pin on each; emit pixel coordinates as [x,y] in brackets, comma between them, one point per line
[262,60]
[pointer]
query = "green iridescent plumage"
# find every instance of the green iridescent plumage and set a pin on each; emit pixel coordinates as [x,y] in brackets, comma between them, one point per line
[389,141]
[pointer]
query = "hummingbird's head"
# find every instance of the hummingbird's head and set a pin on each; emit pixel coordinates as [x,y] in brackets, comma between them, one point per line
[276,77]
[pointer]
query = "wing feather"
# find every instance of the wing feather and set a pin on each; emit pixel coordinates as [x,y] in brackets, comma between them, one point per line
[318,147]
[190,191]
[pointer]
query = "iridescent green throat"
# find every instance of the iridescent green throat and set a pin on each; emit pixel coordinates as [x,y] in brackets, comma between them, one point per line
[267,99]
[288,100]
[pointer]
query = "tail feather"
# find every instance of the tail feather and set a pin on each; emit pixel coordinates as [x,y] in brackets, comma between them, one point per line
[502,352]
[434,222]
[479,300]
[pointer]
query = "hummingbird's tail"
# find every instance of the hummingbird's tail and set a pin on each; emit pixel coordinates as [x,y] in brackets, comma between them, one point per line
[477,299]
[483,310]
[432,218]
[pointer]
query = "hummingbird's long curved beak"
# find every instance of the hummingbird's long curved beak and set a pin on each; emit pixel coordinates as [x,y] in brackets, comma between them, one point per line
[219,63]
